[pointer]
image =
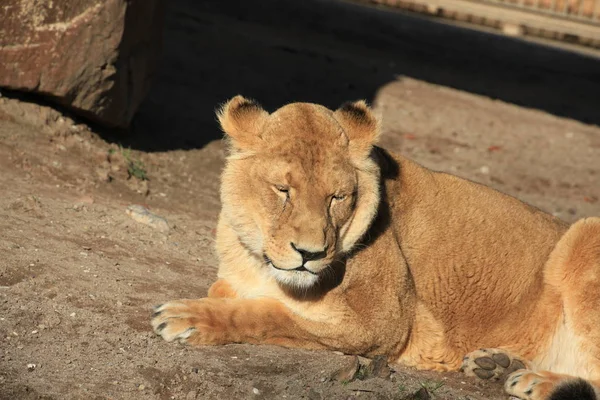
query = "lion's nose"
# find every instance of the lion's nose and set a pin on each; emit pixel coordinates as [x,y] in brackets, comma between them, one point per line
[310,255]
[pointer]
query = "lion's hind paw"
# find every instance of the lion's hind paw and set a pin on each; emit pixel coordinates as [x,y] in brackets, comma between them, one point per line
[491,364]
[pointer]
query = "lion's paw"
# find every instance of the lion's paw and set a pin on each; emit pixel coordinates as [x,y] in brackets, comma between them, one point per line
[173,321]
[492,364]
[529,385]
[188,321]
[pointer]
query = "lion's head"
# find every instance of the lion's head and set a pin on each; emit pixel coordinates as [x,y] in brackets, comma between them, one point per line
[300,186]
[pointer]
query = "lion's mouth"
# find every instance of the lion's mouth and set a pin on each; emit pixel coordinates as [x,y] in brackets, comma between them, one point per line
[301,268]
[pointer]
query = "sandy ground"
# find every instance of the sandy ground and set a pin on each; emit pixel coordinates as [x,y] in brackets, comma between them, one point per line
[78,275]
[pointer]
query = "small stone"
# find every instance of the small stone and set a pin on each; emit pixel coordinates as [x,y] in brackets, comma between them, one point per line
[31,367]
[32,265]
[421,394]
[484,170]
[348,372]
[34,332]
[191,395]
[141,387]
[72,314]
[379,368]
[314,395]
[255,391]
[144,216]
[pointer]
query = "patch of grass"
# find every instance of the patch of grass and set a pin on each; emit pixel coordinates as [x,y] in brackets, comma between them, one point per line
[135,167]
[362,373]
[401,388]
[432,386]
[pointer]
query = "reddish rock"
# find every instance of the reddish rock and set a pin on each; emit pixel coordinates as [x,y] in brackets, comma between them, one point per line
[94,56]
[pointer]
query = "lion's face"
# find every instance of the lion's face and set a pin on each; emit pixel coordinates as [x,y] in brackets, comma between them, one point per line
[300,187]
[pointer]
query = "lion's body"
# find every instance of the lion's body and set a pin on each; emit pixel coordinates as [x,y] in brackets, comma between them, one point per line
[330,243]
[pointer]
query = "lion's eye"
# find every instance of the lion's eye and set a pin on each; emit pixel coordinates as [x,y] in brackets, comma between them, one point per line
[339,197]
[283,189]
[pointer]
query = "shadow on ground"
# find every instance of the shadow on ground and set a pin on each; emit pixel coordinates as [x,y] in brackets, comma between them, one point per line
[328,52]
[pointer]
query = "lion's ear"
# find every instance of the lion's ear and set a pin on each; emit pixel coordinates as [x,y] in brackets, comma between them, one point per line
[360,125]
[243,121]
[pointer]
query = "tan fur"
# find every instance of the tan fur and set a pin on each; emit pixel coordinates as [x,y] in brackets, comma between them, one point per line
[326,241]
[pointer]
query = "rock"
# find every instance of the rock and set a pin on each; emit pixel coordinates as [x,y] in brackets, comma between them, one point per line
[191,395]
[379,368]
[421,394]
[348,372]
[314,395]
[142,215]
[95,57]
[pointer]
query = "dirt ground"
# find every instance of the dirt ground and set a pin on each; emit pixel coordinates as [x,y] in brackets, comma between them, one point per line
[78,275]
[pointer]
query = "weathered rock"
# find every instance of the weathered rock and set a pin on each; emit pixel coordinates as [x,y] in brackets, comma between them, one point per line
[142,215]
[421,394]
[379,368]
[348,372]
[93,56]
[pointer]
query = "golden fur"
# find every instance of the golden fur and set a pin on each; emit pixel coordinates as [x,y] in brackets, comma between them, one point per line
[328,242]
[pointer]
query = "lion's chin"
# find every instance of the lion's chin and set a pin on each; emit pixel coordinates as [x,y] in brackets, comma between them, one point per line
[295,279]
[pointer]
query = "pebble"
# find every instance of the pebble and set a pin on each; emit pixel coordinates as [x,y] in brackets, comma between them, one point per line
[255,391]
[191,395]
[348,372]
[31,367]
[484,170]
[141,387]
[142,215]
[380,368]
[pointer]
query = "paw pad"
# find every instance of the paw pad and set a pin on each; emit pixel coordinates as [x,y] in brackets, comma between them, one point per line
[491,364]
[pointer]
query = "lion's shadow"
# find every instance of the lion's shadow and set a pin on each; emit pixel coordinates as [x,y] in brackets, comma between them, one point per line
[329,52]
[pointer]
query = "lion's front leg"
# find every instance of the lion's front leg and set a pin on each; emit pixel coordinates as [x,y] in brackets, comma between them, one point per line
[221,289]
[212,321]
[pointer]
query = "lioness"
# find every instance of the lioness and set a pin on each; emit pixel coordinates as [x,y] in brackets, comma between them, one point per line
[328,242]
